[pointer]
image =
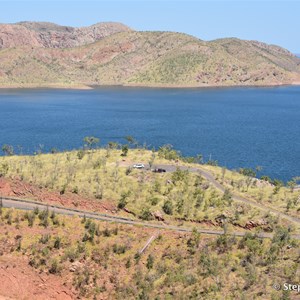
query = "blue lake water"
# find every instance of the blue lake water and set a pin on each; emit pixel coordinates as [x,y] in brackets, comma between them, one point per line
[238,127]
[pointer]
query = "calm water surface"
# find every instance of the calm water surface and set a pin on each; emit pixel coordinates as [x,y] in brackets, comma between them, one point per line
[240,127]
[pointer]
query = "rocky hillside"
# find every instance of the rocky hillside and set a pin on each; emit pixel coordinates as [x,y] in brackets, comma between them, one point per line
[43,54]
[49,35]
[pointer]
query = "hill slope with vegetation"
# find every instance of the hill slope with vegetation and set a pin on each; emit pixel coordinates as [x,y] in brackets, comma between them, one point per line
[113,54]
[180,196]
[61,257]
[71,257]
[50,35]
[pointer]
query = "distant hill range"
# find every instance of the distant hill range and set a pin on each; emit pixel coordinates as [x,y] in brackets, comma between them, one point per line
[34,54]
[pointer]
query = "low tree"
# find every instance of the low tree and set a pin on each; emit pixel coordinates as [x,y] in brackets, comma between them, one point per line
[281,237]
[55,267]
[54,150]
[124,150]
[8,150]
[227,197]
[80,154]
[266,178]
[4,169]
[57,242]
[150,262]
[247,172]
[131,140]
[146,214]
[168,207]
[278,184]
[151,161]
[168,152]
[113,145]
[199,158]
[212,162]
[91,141]
[180,175]
[123,200]
[293,183]
[193,241]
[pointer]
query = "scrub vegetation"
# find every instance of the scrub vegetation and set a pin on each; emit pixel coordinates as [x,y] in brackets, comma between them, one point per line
[176,197]
[100,260]
[97,260]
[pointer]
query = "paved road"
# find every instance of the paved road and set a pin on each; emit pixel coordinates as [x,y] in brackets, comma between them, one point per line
[216,184]
[31,205]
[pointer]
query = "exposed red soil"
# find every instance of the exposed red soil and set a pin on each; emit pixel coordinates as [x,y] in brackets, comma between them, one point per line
[20,281]
[20,189]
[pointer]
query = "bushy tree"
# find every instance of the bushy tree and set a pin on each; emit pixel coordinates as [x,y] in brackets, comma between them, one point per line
[146,214]
[8,150]
[247,172]
[113,145]
[168,152]
[179,175]
[91,141]
[123,200]
[227,196]
[168,207]
[131,140]
[150,262]
[80,154]
[193,241]
[4,169]
[124,150]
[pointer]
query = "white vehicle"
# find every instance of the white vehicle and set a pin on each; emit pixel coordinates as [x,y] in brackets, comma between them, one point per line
[138,166]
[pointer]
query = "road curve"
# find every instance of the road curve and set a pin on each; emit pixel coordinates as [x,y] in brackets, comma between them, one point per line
[31,205]
[209,177]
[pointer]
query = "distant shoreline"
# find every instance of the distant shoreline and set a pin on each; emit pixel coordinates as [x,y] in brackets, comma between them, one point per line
[50,86]
[154,86]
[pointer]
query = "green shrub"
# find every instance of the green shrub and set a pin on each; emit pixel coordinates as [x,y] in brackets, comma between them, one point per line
[146,214]
[30,216]
[119,249]
[123,200]
[71,254]
[150,262]
[124,150]
[4,169]
[168,152]
[57,243]
[80,154]
[54,267]
[44,239]
[168,207]
[247,172]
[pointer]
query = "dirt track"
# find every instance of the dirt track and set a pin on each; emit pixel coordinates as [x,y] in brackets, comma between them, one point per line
[209,177]
[31,205]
